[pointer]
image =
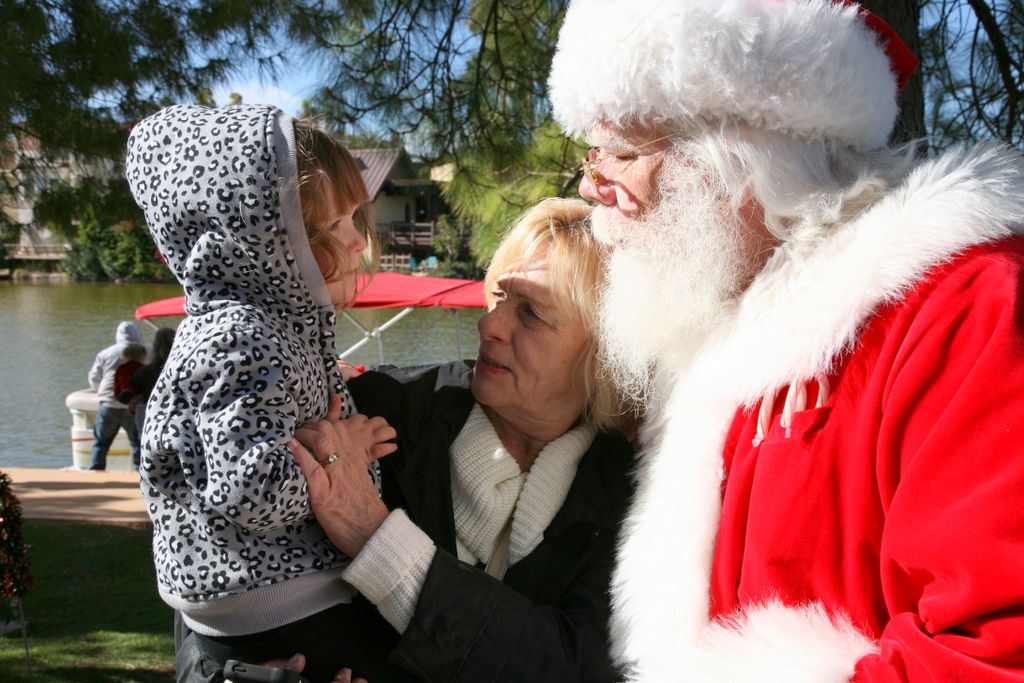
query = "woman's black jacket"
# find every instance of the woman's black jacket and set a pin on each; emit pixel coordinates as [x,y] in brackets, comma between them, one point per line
[548,620]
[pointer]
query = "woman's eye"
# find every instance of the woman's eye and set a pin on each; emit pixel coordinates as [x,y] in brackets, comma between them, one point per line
[498,295]
[530,312]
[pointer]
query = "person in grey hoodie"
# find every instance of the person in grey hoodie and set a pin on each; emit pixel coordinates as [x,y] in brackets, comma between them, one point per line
[253,213]
[111,414]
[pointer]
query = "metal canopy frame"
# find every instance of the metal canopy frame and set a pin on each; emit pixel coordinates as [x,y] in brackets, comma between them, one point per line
[386,290]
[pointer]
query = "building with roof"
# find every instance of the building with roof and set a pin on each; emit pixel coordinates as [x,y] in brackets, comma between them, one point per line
[27,170]
[405,205]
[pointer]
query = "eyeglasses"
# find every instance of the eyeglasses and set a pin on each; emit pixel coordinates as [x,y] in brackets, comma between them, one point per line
[595,156]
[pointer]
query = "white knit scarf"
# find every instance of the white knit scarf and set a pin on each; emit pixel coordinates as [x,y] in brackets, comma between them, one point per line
[488,487]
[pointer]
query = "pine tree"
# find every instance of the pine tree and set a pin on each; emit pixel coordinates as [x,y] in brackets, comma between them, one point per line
[464,81]
[77,74]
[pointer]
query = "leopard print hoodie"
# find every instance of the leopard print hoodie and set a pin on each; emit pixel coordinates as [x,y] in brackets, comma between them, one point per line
[234,542]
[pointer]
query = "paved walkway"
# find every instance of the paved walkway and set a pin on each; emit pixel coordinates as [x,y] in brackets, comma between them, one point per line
[111,497]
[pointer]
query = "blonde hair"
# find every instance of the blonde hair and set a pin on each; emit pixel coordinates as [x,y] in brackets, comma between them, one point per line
[363,220]
[557,230]
[325,166]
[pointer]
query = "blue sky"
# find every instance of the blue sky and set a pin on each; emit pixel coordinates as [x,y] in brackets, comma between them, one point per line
[295,83]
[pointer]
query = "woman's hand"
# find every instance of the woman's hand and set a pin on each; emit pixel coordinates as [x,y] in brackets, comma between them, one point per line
[334,456]
[348,371]
[345,676]
[297,663]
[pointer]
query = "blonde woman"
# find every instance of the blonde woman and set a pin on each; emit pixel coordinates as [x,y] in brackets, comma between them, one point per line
[489,557]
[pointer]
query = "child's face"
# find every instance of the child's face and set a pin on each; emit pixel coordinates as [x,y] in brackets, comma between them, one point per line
[343,287]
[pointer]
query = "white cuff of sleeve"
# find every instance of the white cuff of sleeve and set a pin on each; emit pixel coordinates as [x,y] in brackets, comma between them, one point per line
[391,568]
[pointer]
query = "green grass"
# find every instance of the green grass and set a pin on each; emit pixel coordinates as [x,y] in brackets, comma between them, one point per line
[93,614]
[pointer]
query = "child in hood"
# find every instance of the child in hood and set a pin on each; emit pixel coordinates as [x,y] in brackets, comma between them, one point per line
[253,212]
[111,414]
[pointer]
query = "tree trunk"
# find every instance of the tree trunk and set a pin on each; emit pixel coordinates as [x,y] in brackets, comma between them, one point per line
[905,18]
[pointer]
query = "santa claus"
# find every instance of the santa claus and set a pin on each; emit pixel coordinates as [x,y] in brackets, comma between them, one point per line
[827,334]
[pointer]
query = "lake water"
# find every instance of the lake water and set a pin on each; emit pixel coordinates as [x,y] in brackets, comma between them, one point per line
[50,333]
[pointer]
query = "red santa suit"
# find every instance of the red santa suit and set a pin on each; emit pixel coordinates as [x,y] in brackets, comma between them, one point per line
[867,522]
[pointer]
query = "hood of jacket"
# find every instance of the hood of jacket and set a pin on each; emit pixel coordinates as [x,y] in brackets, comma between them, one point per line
[127,333]
[219,189]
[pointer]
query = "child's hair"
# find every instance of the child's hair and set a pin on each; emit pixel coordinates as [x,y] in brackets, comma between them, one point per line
[134,352]
[363,220]
[325,166]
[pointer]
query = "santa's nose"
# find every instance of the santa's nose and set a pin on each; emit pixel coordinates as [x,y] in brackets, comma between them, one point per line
[601,192]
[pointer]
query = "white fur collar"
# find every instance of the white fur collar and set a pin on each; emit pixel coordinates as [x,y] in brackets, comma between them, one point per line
[795,319]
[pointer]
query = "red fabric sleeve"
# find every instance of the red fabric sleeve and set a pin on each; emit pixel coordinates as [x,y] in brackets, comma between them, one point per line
[951,469]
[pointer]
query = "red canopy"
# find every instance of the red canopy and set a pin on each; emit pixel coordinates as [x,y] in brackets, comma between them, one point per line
[158,309]
[386,290]
[394,290]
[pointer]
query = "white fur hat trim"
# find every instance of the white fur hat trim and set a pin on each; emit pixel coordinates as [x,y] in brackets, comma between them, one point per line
[810,68]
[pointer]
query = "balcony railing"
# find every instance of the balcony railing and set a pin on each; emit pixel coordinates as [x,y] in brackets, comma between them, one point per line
[37,252]
[406,234]
[395,261]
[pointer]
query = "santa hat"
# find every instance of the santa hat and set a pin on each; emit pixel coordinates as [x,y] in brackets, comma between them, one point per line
[815,69]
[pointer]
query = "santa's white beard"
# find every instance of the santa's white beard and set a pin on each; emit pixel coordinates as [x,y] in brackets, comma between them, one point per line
[673,275]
